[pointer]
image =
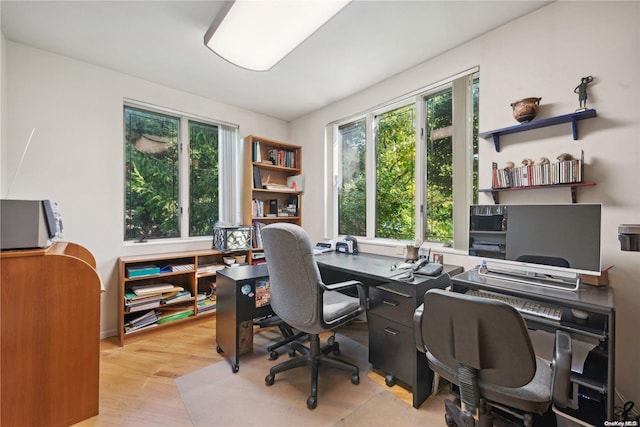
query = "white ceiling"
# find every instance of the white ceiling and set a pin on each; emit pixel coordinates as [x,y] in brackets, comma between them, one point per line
[162,41]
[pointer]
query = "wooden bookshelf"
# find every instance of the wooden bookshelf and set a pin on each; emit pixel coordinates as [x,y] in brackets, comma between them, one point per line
[193,271]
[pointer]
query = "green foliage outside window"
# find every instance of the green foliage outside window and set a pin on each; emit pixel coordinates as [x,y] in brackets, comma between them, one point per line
[152,202]
[203,182]
[352,189]
[151,182]
[395,174]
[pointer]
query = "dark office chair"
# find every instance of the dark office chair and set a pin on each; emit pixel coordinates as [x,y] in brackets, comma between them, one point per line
[301,300]
[288,333]
[483,347]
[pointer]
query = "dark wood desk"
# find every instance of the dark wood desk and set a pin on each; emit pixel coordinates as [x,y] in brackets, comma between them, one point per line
[391,303]
[598,329]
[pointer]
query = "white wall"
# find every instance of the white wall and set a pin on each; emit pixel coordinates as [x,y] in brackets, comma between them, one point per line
[76,156]
[544,55]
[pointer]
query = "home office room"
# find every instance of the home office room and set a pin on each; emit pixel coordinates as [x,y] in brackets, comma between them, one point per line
[406,163]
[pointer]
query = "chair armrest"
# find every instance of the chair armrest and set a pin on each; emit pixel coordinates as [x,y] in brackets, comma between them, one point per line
[417,328]
[340,286]
[561,370]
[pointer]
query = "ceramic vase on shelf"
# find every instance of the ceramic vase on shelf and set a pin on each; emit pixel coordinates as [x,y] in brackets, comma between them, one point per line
[526,109]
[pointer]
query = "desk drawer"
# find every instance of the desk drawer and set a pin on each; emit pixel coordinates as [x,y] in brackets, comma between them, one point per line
[392,348]
[394,304]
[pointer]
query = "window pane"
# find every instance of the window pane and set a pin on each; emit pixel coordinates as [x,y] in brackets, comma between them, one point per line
[151,154]
[351,181]
[475,88]
[395,174]
[439,167]
[203,182]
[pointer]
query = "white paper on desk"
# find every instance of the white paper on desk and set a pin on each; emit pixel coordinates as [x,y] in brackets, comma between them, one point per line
[543,343]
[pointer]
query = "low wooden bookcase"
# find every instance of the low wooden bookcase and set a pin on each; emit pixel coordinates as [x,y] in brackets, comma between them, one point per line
[193,271]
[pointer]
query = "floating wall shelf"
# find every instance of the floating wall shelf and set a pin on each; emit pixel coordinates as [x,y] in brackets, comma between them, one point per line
[573,118]
[494,191]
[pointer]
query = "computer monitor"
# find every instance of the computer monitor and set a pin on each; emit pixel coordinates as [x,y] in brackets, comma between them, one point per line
[562,238]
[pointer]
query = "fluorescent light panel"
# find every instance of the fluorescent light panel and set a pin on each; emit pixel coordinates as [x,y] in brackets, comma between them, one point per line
[257,34]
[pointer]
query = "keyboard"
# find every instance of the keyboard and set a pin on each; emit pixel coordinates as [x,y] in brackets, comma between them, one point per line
[522,305]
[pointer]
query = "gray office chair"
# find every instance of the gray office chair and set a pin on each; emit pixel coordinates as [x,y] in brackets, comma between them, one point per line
[301,300]
[483,347]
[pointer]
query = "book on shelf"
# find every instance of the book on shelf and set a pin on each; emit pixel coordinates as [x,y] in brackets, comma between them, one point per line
[257,178]
[142,270]
[155,288]
[171,316]
[210,268]
[146,303]
[141,321]
[172,268]
[182,296]
[257,234]
[257,153]
[279,187]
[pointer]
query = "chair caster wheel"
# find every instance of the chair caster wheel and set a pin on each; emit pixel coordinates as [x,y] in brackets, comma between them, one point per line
[269,379]
[312,402]
[218,349]
[274,355]
[235,368]
[292,353]
[389,380]
[355,379]
[448,420]
[331,340]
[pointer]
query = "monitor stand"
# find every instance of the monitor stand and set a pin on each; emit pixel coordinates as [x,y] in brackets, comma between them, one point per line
[565,281]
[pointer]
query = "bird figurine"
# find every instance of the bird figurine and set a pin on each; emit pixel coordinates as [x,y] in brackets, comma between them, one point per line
[508,165]
[543,160]
[527,162]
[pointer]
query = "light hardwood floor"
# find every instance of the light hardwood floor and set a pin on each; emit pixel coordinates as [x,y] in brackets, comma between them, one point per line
[137,381]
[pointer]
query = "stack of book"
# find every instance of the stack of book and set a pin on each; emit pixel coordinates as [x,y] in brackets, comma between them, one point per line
[567,172]
[206,302]
[142,321]
[142,270]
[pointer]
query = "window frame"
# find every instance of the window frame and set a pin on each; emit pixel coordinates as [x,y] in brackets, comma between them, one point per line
[184,168]
[461,83]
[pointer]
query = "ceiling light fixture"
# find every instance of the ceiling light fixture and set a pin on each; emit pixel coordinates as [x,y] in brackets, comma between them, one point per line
[256,35]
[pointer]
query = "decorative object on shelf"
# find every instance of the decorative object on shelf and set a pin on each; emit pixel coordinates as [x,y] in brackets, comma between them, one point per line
[564,157]
[232,238]
[527,162]
[508,165]
[543,161]
[526,109]
[581,90]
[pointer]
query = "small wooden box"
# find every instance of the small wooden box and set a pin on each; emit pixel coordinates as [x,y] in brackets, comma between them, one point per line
[602,280]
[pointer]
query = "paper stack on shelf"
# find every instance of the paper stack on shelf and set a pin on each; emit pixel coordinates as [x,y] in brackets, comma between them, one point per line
[146,320]
[182,296]
[133,303]
[155,289]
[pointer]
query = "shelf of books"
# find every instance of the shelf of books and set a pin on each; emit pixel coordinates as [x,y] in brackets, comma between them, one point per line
[568,173]
[273,187]
[157,291]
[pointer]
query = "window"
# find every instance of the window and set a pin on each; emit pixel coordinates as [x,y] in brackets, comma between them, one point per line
[395,173]
[351,185]
[408,171]
[161,185]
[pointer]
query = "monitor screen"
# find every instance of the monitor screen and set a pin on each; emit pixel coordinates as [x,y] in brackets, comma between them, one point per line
[562,237]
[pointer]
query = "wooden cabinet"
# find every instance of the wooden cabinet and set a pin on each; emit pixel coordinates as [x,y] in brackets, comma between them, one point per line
[267,197]
[193,271]
[50,339]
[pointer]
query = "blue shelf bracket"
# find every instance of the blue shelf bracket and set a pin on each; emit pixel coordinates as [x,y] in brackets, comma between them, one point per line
[496,141]
[574,126]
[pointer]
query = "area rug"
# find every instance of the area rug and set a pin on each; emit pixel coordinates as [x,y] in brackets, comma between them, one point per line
[214,396]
